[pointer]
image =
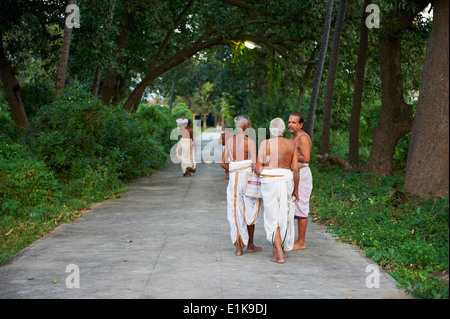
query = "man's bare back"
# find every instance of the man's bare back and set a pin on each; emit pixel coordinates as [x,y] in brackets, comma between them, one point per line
[281,151]
[242,148]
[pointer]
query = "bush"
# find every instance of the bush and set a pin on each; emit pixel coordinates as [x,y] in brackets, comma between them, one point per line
[77,135]
[29,188]
[407,236]
[77,152]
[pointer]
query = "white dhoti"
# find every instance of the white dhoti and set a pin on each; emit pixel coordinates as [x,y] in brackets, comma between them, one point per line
[305,186]
[277,186]
[185,153]
[242,211]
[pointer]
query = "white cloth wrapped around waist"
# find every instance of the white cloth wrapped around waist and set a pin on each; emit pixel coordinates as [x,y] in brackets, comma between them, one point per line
[238,166]
[276,175]
[242,210]
[276,188]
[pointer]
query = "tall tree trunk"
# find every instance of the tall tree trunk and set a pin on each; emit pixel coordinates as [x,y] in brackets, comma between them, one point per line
[353,153]
[98,71]
[427,169]
[12,88]
[121,42]
[97,80]
[64,58]
[319,69]
[172,96]
[173,61]
[332,69]
[306,77]
[396,116]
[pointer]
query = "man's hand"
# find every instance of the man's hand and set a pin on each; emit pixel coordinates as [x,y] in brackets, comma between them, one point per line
[295,196]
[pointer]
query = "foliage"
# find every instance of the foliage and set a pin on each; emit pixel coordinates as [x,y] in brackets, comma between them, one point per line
[77,152]
[408,237]
[92,136]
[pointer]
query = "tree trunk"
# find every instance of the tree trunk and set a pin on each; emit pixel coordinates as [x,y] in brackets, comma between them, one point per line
[353,154]
[97,79]
[99,70]
[172,96]
[64,58]
[427,170]
[121,42]
[321,62]
[396,116]
[306,77]
[12,89]
[173,61]
[332,69]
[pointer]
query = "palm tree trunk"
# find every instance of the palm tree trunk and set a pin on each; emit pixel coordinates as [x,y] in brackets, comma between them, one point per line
[64,58]
[353,153]
[332,69]
[322,55]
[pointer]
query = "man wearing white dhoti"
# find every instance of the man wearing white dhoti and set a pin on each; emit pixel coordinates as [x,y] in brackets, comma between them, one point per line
[278,169]
[239,158]
[186,147]
[303,145]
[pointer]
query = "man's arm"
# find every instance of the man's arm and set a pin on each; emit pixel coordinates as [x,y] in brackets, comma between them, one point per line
[224,163]
[294,168]
[260,158]
[304,145]
[253,153]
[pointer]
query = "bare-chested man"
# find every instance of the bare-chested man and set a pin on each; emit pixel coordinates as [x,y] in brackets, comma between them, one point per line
[303,145]
[239,158]
[278,169]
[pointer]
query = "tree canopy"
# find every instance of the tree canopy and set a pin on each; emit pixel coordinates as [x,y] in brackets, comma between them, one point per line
[196,53]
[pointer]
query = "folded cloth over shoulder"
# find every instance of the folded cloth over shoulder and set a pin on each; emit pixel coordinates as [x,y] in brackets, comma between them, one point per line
[276,188]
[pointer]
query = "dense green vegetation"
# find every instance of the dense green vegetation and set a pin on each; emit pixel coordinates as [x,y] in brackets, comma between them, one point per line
[66,163]
[63,149]
[404,234]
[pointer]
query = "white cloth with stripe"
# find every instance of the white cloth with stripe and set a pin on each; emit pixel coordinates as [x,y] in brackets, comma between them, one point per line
[241,210]
[277,186]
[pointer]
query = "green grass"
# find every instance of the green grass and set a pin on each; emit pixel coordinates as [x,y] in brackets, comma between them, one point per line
[406,235]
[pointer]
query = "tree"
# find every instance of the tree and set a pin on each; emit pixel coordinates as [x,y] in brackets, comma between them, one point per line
[214,23]
[353,153]
[14,15]
[396,117]
[62,70]
[12,88]
[332,69]
[319,69]
[427,170]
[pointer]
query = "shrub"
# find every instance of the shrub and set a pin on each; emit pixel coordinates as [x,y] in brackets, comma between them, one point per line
[407,236]
[77,135]
[29,188]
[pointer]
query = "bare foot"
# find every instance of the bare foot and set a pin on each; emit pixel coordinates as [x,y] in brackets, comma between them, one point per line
[253,249]
[239,249]
[278,261]
[299,246]
[278,256]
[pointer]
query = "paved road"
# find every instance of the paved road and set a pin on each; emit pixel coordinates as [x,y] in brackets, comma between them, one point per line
[168,237]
